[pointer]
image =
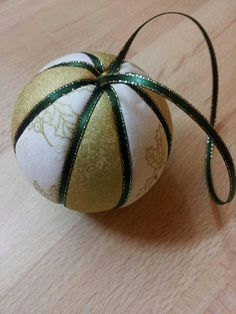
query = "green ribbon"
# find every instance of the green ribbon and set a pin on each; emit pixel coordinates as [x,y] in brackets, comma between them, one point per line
[75,142]
[142,81]
[97,62]
[114,77]
[77,64]
[124,144]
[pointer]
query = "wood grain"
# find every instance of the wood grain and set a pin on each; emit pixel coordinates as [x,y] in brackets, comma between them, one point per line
[171,252]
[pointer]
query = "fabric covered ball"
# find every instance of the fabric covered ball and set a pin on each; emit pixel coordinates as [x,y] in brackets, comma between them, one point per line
[86,147]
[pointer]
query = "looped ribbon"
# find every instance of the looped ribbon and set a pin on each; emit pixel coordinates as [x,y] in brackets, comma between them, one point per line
[213,139]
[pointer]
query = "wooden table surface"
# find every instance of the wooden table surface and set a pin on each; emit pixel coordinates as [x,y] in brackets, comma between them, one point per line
[173,251]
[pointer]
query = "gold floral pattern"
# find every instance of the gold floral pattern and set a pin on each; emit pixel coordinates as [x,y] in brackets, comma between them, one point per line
[61,118]
[155,157]
[55,117]
[51,193]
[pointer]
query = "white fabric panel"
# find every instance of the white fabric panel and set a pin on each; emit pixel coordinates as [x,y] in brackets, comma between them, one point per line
[42,148]
[81,57]
[146,140]
[130,67]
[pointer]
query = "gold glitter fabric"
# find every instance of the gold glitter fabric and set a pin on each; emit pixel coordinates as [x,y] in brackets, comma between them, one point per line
[41,86]
[96,179]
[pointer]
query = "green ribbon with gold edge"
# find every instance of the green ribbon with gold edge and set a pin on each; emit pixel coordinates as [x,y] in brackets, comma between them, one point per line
[124,144]
[213,138]
[75,143]
[77,64]
[97,62]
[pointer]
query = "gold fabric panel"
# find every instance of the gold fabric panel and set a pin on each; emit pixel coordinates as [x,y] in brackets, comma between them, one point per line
[105,58]
[96,179]
[162,106]
[41,86]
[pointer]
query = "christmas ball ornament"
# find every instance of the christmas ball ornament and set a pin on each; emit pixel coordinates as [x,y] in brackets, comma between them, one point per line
[93,131]
[91,148]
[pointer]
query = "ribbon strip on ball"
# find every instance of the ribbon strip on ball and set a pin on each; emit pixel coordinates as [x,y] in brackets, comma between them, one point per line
[76,142]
